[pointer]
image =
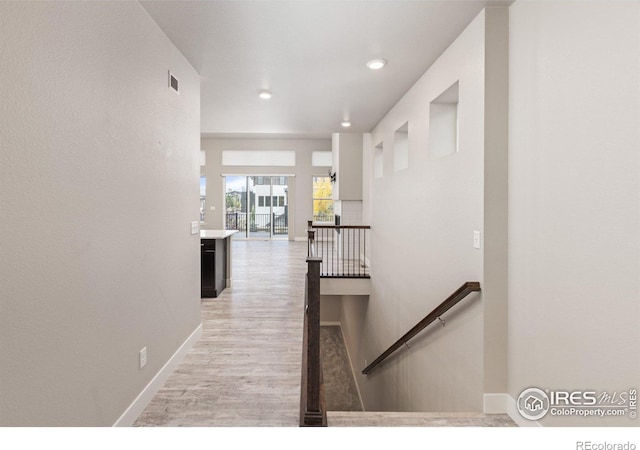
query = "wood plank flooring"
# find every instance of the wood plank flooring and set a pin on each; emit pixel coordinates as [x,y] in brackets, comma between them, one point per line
[245,371]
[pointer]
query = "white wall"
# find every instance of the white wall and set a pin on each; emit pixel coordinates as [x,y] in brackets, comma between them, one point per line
[98,184]
[422,222]
[574,205]
[301,186]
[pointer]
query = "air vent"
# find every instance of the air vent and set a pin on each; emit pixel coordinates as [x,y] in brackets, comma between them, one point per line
[173,82]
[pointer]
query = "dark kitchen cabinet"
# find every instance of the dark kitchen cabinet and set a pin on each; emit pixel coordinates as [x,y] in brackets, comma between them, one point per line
[213,258]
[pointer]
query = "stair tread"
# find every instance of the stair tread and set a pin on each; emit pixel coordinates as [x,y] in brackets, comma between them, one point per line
[424,419]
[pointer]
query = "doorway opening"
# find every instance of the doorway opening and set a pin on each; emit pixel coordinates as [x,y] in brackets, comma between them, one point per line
[257,206]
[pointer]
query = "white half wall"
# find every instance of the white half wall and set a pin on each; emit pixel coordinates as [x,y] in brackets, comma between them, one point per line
[99,167]
[574,204]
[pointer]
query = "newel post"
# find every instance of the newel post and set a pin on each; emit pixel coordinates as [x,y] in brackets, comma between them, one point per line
[313,414]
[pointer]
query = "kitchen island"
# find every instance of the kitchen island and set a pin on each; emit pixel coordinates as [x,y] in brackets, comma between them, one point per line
[215,262]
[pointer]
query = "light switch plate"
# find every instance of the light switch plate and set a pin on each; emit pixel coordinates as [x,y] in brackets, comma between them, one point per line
[476,239]
[195,227]
[143,357]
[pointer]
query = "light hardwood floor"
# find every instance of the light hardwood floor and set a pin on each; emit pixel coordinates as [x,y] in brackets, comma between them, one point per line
[245,371]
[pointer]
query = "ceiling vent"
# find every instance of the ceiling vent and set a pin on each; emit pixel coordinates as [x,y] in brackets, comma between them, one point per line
[173,82]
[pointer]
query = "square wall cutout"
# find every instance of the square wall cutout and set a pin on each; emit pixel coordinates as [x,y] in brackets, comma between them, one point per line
[378,161]
[401,148]
[443,123]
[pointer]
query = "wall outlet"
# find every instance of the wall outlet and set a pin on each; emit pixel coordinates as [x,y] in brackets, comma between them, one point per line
[212,208]
[195,227]
[143,357]
[476,239]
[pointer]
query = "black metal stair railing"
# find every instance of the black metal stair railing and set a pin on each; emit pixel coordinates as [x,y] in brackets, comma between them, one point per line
[343,249]
[276,224]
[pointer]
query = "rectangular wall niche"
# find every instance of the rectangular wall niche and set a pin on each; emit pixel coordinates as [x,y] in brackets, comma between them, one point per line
[443,123]
[378,161]
[401,148]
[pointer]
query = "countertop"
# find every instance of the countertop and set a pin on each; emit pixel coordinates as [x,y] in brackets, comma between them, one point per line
[216,234]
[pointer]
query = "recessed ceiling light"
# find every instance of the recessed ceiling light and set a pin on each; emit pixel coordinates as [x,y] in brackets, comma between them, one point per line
[346,124]
[264,94]
[376,64]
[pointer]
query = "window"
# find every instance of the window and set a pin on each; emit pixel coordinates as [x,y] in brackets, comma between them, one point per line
[256,206]
[258,158]
[322,199]
[319,159]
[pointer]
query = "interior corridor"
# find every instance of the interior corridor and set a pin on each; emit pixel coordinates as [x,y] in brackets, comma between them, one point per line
[245,370]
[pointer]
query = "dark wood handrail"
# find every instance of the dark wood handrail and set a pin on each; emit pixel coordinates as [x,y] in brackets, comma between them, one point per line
[452,300]
[343,227]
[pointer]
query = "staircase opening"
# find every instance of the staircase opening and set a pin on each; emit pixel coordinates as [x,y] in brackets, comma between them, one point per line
[341,392]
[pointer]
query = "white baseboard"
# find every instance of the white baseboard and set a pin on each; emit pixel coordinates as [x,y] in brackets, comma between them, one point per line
[330,324]
[142,400]
[495,403]
[512,412]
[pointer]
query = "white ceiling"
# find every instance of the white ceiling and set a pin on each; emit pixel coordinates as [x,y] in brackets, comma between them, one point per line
[311,54]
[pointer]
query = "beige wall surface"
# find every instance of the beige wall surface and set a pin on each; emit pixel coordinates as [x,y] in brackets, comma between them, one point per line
[574,204]
[494,239]
[96,152]
[347,164]
[330,309]
[422,223]
[300,192]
